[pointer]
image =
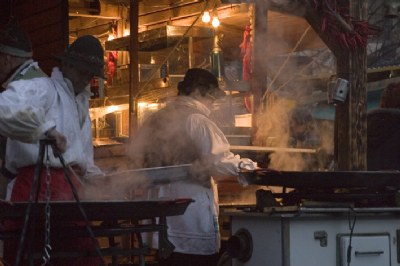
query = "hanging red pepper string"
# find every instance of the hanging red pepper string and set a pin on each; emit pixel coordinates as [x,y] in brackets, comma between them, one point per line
[351,34]
[245,50]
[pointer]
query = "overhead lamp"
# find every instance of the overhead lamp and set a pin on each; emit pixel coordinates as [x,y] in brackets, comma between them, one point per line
[206,17]
[215,22]
[110,37]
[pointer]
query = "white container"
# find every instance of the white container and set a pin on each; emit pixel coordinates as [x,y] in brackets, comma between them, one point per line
[243,120]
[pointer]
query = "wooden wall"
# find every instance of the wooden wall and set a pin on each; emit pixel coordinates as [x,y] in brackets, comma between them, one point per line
[45,21]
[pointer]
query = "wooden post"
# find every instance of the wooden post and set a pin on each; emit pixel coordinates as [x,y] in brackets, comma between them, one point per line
[259,69]
[350,117]
[133,65]
[351,121]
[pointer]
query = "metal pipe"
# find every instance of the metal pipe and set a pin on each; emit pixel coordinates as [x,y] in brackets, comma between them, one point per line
[272,149]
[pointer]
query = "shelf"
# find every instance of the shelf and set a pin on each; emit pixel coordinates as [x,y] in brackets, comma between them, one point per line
[159,38]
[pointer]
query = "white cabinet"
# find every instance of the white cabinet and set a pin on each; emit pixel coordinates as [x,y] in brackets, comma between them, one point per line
[307,239]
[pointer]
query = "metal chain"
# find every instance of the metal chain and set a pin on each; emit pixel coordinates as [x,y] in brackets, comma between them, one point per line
[47,246]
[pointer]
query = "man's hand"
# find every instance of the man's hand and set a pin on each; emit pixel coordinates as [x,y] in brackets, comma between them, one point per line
[247,164]
[61,140]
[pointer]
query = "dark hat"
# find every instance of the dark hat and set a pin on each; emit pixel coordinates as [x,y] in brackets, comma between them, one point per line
[390,97]
[14,41]
[85,53]
[198,78]
[301,115]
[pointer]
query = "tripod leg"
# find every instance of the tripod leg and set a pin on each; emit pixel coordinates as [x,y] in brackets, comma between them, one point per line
[35,187]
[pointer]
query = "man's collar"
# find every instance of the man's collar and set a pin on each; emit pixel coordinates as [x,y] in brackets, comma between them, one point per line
[19,70]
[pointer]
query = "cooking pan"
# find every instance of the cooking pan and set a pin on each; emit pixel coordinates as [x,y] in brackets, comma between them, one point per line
[322,180]
[98,210]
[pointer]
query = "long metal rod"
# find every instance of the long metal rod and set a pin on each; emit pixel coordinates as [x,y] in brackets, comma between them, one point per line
[34,188]
[75,193]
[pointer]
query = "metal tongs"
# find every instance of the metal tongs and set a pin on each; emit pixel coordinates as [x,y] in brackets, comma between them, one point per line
[6,202]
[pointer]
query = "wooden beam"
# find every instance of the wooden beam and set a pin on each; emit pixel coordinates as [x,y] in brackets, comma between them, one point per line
[259,65]
[358,96]
[173,13]
[350,117]
[107,11]
[133,66]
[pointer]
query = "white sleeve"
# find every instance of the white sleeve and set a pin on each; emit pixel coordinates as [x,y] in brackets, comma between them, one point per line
[23,107]
[91,168]
[213,145]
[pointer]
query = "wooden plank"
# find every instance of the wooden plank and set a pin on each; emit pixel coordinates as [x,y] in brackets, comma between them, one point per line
[271,149]
[133,67]
[358,96]
[259,63]
[47,50]
[37,21]
[314,18]
[176,13]
[46,22]
[23,8]
[350,122]
[342,118]
[46,35]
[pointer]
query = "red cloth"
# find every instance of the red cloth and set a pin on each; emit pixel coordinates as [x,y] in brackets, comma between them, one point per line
[112,58]
[60,190]
[245,50]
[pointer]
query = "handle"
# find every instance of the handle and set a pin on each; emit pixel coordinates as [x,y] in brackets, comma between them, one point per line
[368,253]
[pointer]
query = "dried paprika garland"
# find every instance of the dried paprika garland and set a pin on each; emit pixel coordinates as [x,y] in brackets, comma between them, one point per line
[337,21]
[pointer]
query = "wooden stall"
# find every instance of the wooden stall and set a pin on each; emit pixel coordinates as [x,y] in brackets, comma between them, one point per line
[275,54]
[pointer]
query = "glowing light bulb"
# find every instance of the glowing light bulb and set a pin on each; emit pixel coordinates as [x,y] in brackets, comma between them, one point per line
[111,37]
[215,22]
[112,108]
[206,17]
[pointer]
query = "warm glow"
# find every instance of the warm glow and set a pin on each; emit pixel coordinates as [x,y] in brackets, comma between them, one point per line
[148,105]
[215,22]
[126,32]
[112,108]
[152,106]
[111,37]
[206,17]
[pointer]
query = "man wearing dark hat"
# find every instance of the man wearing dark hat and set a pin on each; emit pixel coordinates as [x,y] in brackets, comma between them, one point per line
[16,56]
[182,133]
[15,63]
[55,107]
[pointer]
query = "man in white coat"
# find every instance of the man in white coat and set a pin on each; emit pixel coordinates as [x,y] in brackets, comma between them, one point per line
[55,107]
[182,133]
[15,63]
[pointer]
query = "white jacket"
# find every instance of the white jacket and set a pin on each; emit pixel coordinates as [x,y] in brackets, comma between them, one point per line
[28,108]
[197,231]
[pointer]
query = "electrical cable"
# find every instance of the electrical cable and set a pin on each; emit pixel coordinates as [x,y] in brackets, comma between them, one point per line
[351,227]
